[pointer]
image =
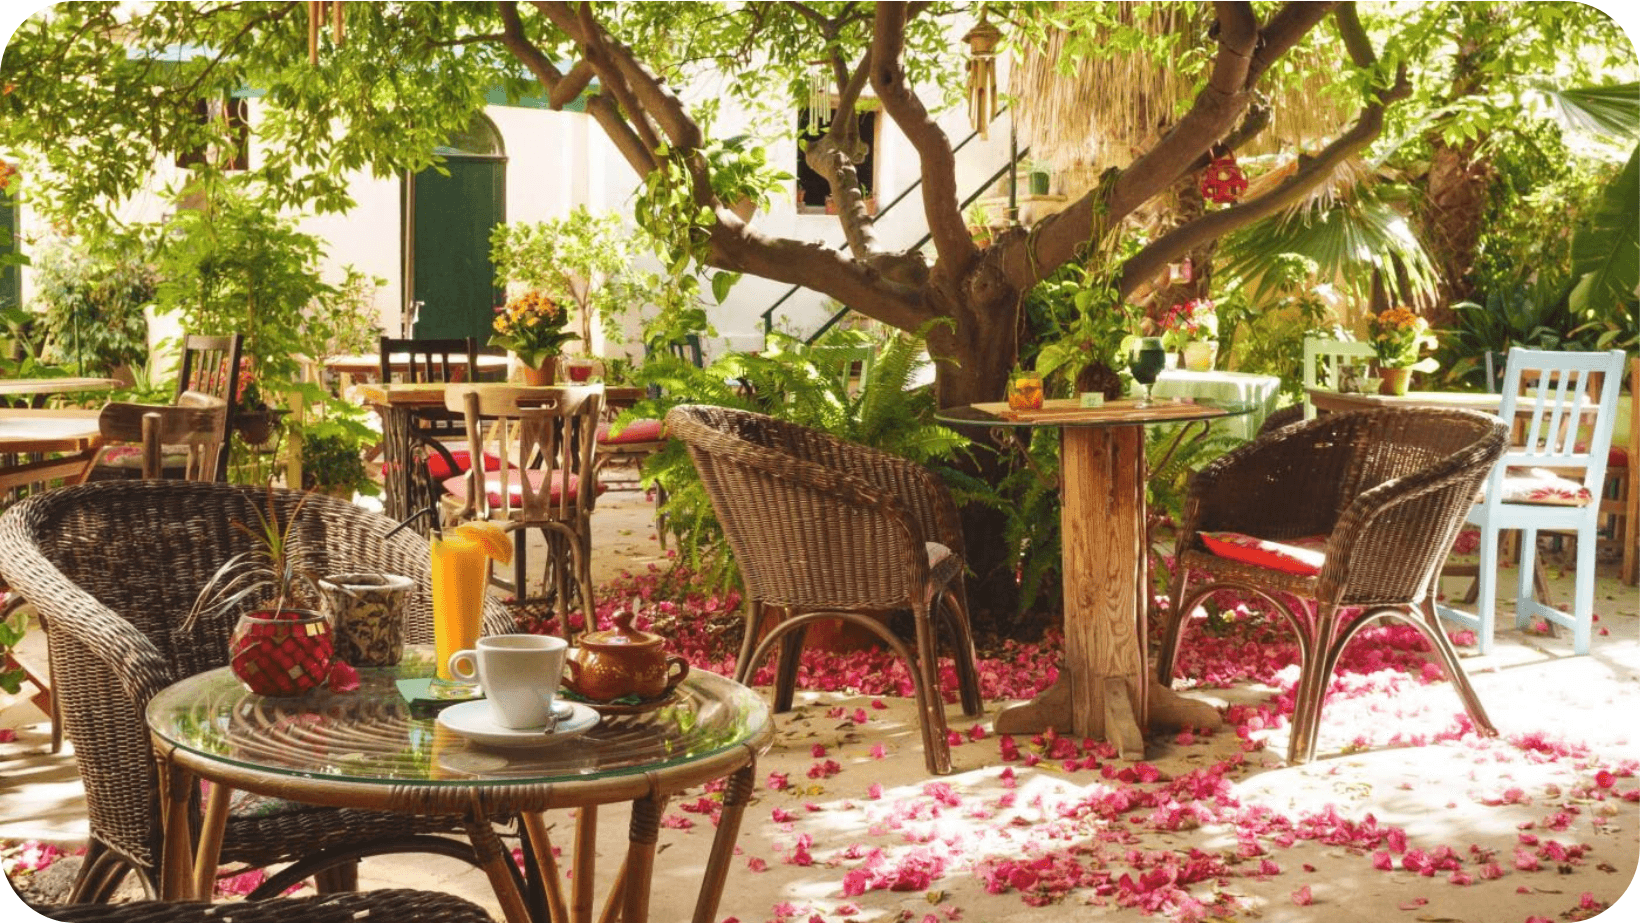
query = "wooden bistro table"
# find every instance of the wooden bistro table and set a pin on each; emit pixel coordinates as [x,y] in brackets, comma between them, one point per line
[1326,399]
[38,390]
[42,444]
[365,750]
[1104,689]
[361,368]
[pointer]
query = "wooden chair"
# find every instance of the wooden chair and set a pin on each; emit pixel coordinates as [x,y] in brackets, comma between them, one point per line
[1334,523]
[1550,480]
[115,566]
[439,432]
[544,439]
[211,367]
[825,529]
[1323,358]
[197,425]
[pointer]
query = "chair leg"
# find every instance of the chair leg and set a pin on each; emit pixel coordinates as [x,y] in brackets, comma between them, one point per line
[753,621]
[1454,669]
[1583,592]
[1523,580]
[1315,670]
[927,666]
[955,611]
[1486,579]
[1178,610]
[785,675]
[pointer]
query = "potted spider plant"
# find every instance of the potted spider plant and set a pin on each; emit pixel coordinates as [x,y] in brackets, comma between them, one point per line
[281,646]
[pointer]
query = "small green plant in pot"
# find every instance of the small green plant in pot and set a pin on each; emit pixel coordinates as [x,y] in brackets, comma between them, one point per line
[281,646]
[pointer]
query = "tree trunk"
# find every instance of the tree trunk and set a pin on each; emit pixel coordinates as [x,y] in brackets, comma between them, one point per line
[973,360]
[1455,195]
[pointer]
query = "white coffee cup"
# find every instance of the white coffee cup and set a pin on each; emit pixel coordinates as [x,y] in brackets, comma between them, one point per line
[519,674]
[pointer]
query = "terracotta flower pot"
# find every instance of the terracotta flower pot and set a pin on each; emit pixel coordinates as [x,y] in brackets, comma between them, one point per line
[1394,380]
[545,374]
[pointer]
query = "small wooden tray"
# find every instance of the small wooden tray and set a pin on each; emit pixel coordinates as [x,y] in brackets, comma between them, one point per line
[1071,409]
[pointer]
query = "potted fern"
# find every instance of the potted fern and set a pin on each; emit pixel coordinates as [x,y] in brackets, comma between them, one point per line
[281,646]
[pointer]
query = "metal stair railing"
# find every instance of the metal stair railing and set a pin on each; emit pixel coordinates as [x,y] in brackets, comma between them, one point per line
[1013,161]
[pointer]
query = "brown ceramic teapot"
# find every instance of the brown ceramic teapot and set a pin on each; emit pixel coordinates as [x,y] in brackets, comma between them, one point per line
[623,661]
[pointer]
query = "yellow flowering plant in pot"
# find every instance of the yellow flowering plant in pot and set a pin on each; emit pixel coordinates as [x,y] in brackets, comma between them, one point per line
[1398,338]
[531,326]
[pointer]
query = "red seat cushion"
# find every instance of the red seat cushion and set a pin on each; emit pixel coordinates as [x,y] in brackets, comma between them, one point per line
[1300,556]
[440,469]
[638,431]
[1618,457]
[492,484]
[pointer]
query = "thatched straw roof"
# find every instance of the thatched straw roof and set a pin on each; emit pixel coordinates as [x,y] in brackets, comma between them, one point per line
[1082,111]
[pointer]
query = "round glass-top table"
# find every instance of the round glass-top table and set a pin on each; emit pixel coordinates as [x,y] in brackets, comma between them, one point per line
[1104,688]
[367,750]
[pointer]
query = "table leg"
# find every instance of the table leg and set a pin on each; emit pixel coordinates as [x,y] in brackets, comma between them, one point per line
[736,794]
[586,861]
[640,857]
[547,866]
[1103,688]
[176,866]
[495,861]
[398,476]
[209,852]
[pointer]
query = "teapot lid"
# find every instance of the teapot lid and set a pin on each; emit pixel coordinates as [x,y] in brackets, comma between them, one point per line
[624,633]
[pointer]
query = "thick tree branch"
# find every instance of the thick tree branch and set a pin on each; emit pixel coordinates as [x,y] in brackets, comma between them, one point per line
[1056,239]
[939,165]
[857,283]
[1150,261]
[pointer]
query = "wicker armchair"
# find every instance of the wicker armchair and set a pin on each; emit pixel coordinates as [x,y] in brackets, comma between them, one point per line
[1386,489]
[377,905]
[114,567]
[826,529]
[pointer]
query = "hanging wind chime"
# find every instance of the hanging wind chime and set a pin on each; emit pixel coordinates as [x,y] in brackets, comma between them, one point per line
[982,74]
[316,20]
[819,104]
[1222,181]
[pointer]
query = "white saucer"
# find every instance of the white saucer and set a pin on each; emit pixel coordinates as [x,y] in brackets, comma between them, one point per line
[472,720]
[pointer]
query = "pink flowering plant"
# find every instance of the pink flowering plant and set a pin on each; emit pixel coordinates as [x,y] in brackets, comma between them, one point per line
[1189,322]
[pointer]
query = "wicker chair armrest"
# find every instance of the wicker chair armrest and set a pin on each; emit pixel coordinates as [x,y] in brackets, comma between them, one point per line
[142,669]
[1393,537]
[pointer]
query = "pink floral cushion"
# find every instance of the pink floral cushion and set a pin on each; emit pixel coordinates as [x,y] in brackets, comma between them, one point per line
[537,478]
[1541,486]
[1299,556]
[638,431]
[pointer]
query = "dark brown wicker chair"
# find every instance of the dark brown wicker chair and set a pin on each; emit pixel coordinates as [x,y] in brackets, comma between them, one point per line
[115,566]
[1387,489]
[823,529]
[377,905]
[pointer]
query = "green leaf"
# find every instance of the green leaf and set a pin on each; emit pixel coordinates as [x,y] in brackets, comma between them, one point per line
[1606,254]
[722,283]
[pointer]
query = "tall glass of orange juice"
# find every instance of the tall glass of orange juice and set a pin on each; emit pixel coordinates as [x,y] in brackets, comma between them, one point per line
[461,576]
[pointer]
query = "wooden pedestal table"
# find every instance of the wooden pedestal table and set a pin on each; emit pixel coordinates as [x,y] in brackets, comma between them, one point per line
[1104,688]
[365,750]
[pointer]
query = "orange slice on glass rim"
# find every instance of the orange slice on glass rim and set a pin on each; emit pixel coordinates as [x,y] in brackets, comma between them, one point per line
[490,537]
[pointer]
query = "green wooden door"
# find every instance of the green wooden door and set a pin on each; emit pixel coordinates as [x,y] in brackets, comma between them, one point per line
[452,275]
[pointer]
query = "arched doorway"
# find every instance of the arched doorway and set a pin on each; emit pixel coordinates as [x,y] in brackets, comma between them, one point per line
[450,287]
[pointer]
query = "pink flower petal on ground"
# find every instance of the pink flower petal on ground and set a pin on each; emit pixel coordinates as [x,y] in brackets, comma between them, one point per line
[1302,896]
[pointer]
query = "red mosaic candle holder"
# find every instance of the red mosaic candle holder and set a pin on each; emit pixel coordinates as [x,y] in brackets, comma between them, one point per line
[282,654]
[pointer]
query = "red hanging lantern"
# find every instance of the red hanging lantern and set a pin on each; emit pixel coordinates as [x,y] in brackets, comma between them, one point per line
[1222,181]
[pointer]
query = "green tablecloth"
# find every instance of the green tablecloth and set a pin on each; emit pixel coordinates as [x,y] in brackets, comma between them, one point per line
[1260,390]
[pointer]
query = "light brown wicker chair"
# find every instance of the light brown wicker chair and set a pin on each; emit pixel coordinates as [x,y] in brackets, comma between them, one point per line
[1387,489]
[824,529]
[115,566]
[376,905]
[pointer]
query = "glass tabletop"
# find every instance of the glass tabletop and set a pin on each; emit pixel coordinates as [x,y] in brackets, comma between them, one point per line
[1068,412]
[370,736]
